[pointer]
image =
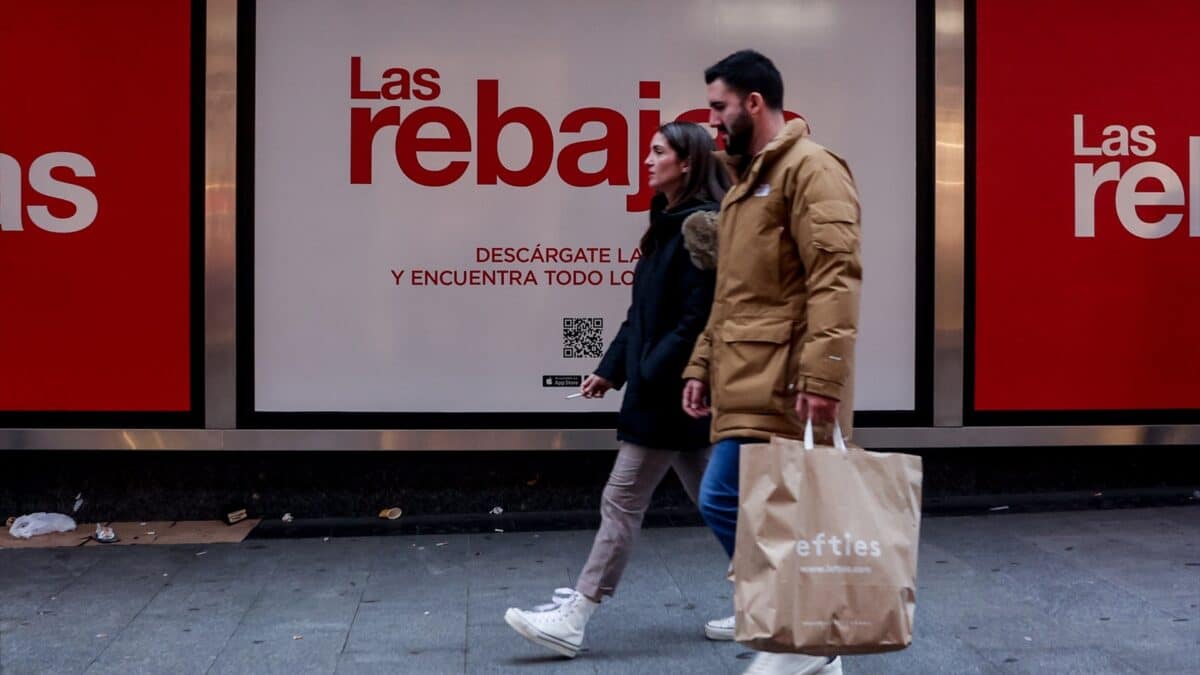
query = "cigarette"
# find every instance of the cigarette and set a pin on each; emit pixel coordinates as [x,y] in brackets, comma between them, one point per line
[575,395]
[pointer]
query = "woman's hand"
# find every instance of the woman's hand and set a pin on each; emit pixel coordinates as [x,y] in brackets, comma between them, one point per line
[595,386]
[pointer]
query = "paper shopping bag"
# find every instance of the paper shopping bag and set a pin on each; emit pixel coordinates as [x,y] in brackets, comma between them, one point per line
[826,552]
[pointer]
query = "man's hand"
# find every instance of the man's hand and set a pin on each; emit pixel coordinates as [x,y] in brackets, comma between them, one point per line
[820,409]
[695,399]
[595,386]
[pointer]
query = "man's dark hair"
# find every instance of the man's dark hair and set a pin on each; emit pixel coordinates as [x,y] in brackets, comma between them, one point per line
[746,72]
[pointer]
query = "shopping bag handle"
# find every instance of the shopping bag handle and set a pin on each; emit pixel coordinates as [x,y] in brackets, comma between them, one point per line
[839,441]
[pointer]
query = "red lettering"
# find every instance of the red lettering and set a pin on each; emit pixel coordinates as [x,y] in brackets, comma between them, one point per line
[614,142]
[624,279]
[363,127]
[397,88]
[648,123]
[426,80]
[409,143]
[491,122]
[356,90]
[423,85]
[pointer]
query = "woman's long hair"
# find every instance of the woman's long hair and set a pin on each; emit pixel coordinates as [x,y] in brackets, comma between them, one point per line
[706,179]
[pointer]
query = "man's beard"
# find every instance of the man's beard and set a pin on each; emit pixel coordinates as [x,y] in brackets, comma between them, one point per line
[739,135]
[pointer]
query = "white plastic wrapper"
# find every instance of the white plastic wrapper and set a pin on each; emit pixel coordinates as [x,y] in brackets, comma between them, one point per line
[41,523]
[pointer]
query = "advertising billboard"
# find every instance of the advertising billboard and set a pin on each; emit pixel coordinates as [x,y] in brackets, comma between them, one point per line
[1086,235]
[101,165]
[447,197]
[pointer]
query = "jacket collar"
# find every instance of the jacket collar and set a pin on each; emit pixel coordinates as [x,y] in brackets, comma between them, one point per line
[787,137]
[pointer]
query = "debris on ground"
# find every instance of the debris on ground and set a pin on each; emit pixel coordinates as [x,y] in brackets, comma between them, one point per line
[391,514]
[297,637]
[105,534]
[534,481]
[38,523]
[235,516]
[201,553]
[499,530]
[998,508]
[78,503]
[287,518]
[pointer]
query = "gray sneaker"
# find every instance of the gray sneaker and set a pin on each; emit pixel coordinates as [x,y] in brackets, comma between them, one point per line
[720,629]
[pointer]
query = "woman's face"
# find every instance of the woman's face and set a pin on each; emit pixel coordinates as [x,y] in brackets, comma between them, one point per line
[666,171]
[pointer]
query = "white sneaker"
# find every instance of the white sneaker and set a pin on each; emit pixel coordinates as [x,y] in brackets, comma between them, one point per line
[720,629]
[767,663]
[558,626]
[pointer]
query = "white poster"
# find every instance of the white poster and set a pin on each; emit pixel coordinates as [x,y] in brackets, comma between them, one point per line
[448,195]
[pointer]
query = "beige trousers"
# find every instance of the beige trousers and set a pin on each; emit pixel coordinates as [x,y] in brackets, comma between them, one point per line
[635,474]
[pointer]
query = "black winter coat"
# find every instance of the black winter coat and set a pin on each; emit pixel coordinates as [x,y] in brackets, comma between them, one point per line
[671,302]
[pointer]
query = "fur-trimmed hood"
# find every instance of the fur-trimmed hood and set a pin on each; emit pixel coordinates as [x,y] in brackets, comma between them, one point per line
[700,238]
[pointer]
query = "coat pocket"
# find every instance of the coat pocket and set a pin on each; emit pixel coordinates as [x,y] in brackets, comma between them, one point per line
[834,226]
[751,368]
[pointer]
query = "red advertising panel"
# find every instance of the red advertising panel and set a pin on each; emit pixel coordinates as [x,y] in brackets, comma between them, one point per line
[96,207]
[1087,206]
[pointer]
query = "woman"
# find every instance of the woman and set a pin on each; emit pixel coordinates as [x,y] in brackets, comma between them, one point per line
[671,301]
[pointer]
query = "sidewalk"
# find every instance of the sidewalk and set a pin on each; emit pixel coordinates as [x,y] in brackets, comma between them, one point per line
[1075,592]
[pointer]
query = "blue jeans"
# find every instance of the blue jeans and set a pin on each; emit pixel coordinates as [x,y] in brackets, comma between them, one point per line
[719,490]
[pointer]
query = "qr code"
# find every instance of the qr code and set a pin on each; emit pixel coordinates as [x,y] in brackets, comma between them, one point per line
[583,338]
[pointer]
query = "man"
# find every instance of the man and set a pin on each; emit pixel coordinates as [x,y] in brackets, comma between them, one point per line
[778,348]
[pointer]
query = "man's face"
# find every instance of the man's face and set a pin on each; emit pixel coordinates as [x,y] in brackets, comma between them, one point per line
[728,115]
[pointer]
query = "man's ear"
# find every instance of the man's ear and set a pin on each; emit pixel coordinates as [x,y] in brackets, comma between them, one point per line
[754,103]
